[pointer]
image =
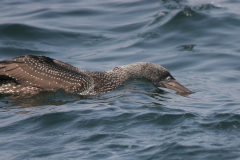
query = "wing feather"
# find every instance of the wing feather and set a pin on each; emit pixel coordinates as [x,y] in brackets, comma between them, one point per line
[45,73]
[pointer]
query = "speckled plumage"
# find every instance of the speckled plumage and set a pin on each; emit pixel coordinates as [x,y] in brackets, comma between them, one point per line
[32,74]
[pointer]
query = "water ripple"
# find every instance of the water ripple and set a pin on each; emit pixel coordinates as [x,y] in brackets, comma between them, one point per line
[198,42]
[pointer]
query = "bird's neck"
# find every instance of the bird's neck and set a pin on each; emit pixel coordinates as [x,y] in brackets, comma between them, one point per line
[107,81]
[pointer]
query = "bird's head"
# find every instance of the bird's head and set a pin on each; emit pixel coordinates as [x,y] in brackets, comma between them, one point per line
[161,77]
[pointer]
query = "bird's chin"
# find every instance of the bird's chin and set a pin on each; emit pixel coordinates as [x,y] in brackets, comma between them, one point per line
[174,85]
[160,85]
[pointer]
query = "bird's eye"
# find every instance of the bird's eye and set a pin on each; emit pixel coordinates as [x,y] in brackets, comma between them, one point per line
[168,79]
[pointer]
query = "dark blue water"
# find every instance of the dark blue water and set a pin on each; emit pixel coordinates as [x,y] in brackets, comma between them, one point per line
[197,41]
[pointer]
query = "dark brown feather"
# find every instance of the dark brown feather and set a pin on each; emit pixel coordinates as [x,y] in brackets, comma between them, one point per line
[43,73]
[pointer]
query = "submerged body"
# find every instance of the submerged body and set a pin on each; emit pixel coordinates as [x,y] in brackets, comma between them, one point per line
[31,74]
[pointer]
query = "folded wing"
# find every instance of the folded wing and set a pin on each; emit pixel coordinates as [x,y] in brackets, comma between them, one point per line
[43,73]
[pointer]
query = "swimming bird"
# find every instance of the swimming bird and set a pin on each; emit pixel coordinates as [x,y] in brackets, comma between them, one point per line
[31,74]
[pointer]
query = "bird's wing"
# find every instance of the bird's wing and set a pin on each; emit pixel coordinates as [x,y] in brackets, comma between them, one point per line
[45,73]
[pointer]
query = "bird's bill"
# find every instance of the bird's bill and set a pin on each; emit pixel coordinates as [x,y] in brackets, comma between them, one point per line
[174,85]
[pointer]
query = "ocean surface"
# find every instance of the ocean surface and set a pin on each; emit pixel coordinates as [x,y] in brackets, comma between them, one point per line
[197,41]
